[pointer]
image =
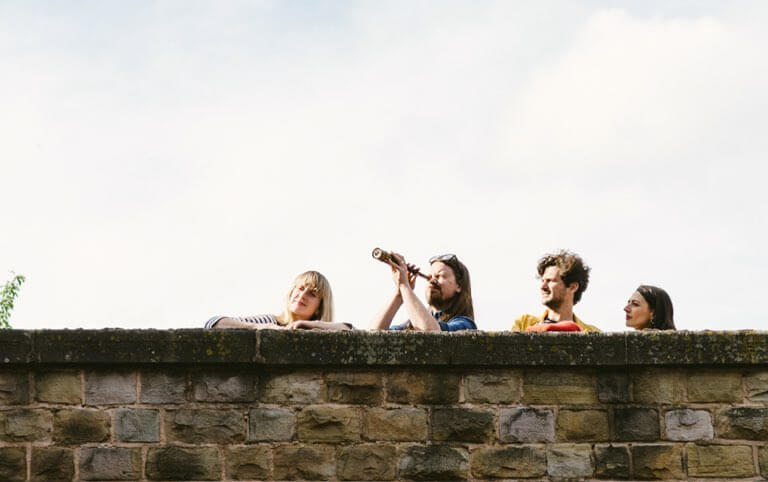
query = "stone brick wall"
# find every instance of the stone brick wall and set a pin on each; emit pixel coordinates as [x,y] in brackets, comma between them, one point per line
[328,406]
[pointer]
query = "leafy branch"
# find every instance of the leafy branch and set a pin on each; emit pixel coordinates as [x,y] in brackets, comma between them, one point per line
[7,297]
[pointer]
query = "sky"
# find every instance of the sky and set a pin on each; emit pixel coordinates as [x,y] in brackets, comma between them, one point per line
[162,162]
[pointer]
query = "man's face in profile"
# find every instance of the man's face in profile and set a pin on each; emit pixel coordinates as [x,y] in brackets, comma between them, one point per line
[442,285]
[552,289]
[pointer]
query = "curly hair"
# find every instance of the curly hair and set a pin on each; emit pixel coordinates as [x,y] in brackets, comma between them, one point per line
[572,269]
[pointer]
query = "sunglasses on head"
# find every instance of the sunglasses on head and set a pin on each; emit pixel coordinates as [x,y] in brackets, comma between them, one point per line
[443,257]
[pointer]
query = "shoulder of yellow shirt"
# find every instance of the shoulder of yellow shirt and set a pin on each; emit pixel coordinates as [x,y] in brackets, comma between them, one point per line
[524,322]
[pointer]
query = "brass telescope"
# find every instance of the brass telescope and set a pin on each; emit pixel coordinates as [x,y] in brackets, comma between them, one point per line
[386,257]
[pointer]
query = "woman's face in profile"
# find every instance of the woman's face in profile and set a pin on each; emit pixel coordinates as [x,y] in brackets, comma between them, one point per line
[303,302]
[638,312]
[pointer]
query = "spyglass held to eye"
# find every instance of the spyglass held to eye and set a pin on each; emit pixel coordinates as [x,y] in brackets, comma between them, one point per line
[386,257]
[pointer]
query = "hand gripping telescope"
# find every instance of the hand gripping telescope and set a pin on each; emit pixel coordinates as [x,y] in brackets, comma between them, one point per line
[386,257]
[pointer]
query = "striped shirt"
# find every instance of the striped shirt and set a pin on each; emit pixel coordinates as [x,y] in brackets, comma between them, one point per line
[258,319]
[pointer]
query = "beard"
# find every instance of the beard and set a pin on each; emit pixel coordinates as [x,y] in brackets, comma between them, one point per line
[436,300]
[554,303]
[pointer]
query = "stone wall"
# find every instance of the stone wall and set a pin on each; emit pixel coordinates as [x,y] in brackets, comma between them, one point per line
[205,405]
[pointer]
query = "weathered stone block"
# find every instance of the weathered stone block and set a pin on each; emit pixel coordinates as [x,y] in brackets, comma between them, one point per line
[687,424]
[526,425]
[748,423]
[297,387]
[137,425]
[613,387]
[304,463]
[271,424]
[757,386]
[183,463]
[228,387]
[324,423]
[367,462]
[105,388]
[205,426]
[13,464]
[571,461]
[582,426]
[58,387]
[654,386]
[110,463]
[493,387]
[720,461]
[25,425]
[509,462]
[559,387]
[163,387]
[762,458]
[462,424]
[611,462]
[14,388]
[80,426]
[714,386]
[636,424]
[248,463]
[52,464]
[434,462]
[423,387]
[401,424]
[354,387]
[657,462]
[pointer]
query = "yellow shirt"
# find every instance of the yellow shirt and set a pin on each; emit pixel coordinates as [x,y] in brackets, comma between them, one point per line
[526,321]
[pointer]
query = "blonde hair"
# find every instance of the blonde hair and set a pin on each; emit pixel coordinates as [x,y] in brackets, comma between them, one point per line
[322,289]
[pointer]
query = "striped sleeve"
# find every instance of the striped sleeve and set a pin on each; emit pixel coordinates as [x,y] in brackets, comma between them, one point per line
[258,319]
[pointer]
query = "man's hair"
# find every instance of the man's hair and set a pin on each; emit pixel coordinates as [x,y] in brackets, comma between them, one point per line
[661,305]
[572,269]
[322,289]
[461,303]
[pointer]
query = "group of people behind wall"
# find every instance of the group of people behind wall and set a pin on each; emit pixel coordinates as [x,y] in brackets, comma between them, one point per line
[563,279]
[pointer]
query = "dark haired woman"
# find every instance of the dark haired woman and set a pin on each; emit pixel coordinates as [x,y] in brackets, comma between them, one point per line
[649,307]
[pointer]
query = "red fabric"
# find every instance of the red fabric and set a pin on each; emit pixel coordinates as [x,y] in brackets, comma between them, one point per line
[559,326]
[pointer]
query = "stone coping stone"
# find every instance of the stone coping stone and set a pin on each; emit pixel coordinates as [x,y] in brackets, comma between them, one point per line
[366,348]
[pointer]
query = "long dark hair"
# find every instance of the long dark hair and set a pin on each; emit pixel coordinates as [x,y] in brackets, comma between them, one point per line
[661,305]
[461,303]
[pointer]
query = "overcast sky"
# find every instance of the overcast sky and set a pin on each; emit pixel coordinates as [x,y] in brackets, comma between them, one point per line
[162,162]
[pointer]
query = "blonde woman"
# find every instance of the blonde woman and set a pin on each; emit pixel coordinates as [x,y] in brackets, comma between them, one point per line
[308,305]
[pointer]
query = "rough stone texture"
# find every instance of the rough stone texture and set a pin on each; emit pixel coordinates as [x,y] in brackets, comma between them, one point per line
[526,425]
[110,463]
[687,424]
[299,387]
[714,386]
[163,387]
[720,461]
[137,425]
[224,387]
[636,424]
[657,462]
[354,388]
[570,461]
[103,388]
[248,463]
[205,426]
[762,458]
[58,387]
[304,463]
[611,462]
[52,464]
[497,387]
[13,464]
[423,387]
[401,424]
[271,424]
[559,387]
[582,426]
[434,462]
[462,424]
[16,346]
[653,386]
[613,387]
[25,425]
[367,462]
[509,462]
[756,385]
[748,423]
[324,423]
[705,348]
[14,388]
[80,426]
[183,463]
